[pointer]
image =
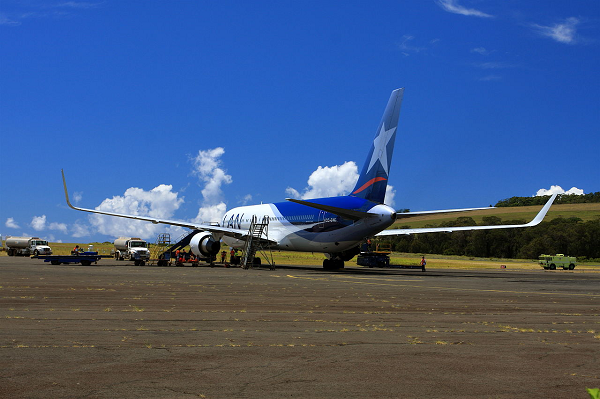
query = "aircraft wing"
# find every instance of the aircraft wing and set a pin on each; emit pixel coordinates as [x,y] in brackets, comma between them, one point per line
[236,233]
[419,213]
[538,218]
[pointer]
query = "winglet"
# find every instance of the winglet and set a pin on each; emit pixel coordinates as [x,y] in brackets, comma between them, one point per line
[66,192]
[542,213]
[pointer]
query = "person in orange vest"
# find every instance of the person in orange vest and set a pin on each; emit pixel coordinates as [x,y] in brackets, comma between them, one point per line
[75,250]
[232,256]
[223,256]
[423,262]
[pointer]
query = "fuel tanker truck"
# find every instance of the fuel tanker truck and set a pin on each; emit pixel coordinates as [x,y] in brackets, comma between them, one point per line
[26,246]
[132,248]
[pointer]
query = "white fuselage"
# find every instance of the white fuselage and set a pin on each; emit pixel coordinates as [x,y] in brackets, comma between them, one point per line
[307,229]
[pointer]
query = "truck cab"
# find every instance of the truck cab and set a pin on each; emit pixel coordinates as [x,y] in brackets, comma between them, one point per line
[40,247]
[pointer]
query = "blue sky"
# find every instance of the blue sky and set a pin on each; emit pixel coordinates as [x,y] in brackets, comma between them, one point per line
[184,109]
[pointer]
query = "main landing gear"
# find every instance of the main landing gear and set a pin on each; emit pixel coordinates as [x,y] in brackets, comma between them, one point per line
[333,264]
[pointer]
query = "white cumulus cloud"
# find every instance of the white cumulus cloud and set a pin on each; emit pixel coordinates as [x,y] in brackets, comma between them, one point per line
[331,181]
[558,190]
[58,226]
[80,230]
[10,223]
[160,202]
[212,213]
[38,223]
[328,181]
[207,167]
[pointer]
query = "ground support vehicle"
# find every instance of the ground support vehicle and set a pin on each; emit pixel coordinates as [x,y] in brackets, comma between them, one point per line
[132,248]
[373,259]
[85,258]
[380,257]
[26,246]
[549,262]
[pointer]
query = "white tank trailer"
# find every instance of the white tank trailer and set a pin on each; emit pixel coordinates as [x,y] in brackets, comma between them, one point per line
[26,246]
[132,248]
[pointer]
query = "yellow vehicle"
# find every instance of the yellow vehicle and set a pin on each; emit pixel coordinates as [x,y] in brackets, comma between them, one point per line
[558,260]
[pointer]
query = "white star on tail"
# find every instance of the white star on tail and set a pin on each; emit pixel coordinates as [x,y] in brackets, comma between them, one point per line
[380,151]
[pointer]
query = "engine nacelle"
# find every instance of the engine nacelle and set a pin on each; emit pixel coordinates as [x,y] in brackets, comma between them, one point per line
[204,244]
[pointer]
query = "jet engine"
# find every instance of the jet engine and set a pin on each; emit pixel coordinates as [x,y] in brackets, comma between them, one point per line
[204,244]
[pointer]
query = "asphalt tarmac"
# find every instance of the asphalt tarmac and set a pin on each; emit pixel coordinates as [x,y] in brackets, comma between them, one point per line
[116,330]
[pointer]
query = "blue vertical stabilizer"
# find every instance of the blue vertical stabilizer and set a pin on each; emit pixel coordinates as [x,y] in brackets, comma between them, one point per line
[373,179]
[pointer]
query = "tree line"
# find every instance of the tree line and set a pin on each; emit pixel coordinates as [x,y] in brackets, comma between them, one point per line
[569,236]
[560,199]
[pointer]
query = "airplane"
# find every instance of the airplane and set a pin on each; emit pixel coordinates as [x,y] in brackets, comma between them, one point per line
[335,226]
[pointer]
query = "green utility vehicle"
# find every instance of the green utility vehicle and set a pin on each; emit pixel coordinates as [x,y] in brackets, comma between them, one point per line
[559,260]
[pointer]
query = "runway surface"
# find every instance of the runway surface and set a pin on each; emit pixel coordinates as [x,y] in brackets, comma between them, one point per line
[117,330]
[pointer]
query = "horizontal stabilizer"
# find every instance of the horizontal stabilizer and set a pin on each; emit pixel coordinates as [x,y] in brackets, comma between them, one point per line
[538,218]
[344,213]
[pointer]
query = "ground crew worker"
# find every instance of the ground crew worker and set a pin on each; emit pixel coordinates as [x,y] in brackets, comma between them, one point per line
[231,256]
[423,263]
[223,256]
[75,250]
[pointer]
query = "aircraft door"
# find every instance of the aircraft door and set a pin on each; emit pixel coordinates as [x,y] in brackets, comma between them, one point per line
[321,220]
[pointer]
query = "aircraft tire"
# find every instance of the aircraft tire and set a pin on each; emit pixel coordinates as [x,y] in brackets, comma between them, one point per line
[333,264]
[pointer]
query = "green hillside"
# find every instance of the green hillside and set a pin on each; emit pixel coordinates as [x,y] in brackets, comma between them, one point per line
[572,229]
[585,212]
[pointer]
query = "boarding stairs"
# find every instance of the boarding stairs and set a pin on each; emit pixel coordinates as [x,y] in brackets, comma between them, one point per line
[157,255]
[255,242]
[165,248]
